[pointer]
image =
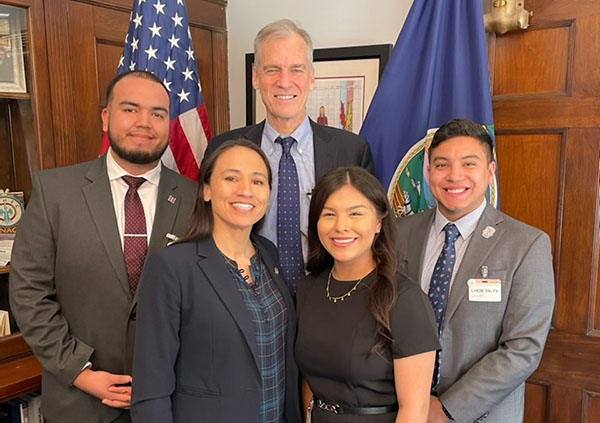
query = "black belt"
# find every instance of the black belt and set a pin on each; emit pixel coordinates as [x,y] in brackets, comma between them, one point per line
[338,409]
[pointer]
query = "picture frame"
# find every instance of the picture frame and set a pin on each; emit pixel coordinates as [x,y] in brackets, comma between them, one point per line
[12,57]
[345,82]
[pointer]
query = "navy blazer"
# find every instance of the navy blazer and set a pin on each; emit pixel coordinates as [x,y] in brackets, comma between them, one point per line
[195,354]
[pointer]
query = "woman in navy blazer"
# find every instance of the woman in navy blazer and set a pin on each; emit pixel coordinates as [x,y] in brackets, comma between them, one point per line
[215,321]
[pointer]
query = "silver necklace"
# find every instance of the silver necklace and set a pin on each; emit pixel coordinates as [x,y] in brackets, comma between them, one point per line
[341,297]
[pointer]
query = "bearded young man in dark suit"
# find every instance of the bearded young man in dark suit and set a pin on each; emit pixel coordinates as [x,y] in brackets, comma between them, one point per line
[72,286]
[284,75]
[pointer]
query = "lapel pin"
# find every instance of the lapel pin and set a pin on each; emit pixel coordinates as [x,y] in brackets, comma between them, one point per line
[276,270]
[488,232]
[484,272]
[172,238]
[171,199]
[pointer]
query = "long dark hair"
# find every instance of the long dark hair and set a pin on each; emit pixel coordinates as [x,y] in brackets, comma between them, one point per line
[383,291]
[201,221]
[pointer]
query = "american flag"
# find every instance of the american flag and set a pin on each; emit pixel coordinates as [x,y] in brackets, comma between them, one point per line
[159,41]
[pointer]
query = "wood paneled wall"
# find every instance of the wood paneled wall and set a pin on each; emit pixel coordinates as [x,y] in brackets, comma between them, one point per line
[546,87]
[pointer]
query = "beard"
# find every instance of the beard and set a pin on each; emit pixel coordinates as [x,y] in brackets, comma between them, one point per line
[136,156]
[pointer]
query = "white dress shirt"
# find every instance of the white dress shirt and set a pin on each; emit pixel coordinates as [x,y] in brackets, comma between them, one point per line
[436,238]
[148,193]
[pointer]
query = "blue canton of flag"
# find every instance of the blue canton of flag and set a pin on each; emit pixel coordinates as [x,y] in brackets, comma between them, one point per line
[438,71]
[159,41]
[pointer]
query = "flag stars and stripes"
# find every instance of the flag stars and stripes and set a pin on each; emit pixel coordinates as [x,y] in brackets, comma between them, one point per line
[170,63]
[183,96]
[132,65]
[155,29]
[160,7]
[190,53]
[134,44]
[137,20]
[187,73]
[174,41]
[151,52]
[121,60]
[177,20]
[167,84]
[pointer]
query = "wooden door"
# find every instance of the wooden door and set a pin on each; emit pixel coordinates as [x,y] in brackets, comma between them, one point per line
[546,87]
[85,42]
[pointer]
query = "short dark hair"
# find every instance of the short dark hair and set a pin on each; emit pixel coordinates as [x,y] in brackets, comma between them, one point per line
[136,73]
[463,128]
[201,222]
[383,292]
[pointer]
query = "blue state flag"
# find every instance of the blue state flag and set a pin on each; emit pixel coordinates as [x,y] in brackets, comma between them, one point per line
[438,71]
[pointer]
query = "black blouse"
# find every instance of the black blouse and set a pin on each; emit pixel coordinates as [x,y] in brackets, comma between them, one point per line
[334,339]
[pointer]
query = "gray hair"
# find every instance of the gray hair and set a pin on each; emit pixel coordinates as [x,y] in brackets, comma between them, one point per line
[282,28]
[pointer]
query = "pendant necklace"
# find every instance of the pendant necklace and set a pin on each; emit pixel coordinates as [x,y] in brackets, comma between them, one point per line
[341,297]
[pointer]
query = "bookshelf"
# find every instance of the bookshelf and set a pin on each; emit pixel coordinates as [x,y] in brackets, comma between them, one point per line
[20,371]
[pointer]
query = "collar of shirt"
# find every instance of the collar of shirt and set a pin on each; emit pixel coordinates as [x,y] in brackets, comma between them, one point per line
[466,224]
[116,172]
[302,134]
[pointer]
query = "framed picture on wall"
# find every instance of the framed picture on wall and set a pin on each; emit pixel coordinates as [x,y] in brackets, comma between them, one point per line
[12,63]
[345,82]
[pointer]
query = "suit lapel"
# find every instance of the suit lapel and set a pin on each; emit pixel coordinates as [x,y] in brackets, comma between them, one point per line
[99,200]
[167,206]
[212,264]
[325,153]
[478,249]
[254,133]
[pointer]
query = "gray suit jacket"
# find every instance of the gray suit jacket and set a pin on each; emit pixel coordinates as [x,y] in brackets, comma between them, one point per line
[196,356]
[489,349]
[333,147]
[68,283]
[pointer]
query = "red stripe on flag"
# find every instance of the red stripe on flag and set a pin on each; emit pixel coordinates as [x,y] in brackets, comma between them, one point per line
[184,157]
[105,144]
[205,121]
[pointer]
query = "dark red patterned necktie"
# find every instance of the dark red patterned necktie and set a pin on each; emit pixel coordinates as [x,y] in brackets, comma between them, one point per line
[135,243]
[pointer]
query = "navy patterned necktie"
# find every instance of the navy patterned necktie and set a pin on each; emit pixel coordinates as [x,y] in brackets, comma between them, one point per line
[289,237]
[135,243]
[440,287]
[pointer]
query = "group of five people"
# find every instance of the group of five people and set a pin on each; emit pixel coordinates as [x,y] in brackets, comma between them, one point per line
[387,320]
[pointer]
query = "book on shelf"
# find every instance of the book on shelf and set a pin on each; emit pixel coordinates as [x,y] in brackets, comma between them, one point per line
[12,206]
[26,409]
[4,323]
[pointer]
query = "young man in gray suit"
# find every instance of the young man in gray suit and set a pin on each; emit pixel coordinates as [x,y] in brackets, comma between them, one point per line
[283,73]
[489,278]
[81,247]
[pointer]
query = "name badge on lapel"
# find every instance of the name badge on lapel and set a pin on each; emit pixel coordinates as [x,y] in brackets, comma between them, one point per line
[485,290]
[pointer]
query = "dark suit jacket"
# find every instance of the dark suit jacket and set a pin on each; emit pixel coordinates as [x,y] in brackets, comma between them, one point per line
[68,283]
[333,147]
[196,355]
[489,349]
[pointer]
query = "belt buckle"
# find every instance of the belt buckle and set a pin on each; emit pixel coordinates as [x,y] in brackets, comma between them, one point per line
[332,408]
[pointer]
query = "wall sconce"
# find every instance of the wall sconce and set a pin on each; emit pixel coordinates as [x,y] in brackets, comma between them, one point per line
[507,15]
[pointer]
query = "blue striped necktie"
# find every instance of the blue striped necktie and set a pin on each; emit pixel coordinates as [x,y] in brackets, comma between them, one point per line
[289,237]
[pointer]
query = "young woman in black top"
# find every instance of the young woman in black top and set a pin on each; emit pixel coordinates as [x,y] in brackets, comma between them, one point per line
[366,333]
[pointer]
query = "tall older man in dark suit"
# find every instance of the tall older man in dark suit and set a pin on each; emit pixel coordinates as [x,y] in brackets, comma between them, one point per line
[80,250]
[300,151]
